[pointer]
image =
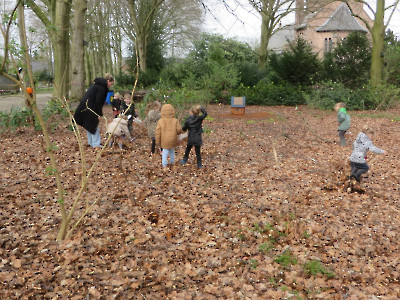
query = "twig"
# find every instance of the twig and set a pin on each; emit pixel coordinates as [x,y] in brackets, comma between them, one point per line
[81,218]
[275,154]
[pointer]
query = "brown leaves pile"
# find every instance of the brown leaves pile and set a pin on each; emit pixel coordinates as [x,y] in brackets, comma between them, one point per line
[269,217]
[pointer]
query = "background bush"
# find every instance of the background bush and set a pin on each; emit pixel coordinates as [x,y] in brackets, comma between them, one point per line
[325,95]
[181,99]
[268,93]
[52,113]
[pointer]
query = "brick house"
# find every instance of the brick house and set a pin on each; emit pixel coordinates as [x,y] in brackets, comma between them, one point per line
[323,26]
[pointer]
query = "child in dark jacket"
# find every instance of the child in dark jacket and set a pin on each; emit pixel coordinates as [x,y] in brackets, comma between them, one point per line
[361,146]
[116,105]
[194,126]
[343,120]
[128,110]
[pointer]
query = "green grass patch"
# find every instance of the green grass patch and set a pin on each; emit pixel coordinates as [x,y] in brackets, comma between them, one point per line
[315,267]
[286,259]
[264,248]
[380,116]
[262,228]
[253,263]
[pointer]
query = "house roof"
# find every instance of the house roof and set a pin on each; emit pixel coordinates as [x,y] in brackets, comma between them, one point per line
[341,20]
[280,39]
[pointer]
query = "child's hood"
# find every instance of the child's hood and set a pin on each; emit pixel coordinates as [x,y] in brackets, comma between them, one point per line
[101,81]
[120,120]
[362,138]
[343,110]
[153,114]
[167,111]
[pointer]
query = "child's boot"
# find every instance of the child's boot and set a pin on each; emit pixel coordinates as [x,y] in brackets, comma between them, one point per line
[184,160]
[199,165]
[356,174]
[110,142]
[342,141]
[121,145]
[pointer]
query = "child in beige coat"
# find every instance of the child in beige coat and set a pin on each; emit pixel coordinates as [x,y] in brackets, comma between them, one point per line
[167,131]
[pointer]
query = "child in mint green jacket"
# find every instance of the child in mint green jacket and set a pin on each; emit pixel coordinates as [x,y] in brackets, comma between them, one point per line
[344,121]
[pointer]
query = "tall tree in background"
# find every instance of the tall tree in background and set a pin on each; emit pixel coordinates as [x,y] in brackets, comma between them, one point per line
[352,59]
[391,74]
[174,24]
[116,43]
[142,14]
[378,33]
[181,24]
[22,34]
[55,16]
[77,49]
[98,38]
[272,12]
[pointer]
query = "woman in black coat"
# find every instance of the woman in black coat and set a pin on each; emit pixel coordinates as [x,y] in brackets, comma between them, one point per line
[194,126]
[91,107]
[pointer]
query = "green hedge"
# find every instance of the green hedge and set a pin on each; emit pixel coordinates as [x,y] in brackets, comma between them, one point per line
[325,95]
[270,94]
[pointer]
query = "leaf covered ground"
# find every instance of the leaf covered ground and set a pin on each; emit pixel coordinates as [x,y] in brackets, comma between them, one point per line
[269,217]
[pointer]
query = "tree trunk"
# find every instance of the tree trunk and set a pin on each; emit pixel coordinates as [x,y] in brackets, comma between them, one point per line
[50,147]
[77,50]
[88,70]
[56,19]
[378,33]
[141,46]
[61,48]
[264,41]
[272,12]
[50,59]
[143,13]
[24,45]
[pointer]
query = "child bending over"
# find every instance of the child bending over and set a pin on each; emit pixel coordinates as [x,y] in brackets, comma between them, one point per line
[119,129]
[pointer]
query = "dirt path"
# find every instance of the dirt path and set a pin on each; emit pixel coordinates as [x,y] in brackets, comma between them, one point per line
[17,101]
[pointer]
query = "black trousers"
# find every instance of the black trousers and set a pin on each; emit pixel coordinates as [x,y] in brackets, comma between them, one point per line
[130,121]
[197,150]
[153,145]
[357,169]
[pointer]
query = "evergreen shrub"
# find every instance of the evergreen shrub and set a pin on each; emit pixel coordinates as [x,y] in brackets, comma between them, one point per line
[269,93]
[325,95]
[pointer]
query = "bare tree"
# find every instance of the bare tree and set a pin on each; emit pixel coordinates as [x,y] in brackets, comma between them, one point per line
[142,14]
[377,32]
[181,22]
[55,16]
[98,39]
